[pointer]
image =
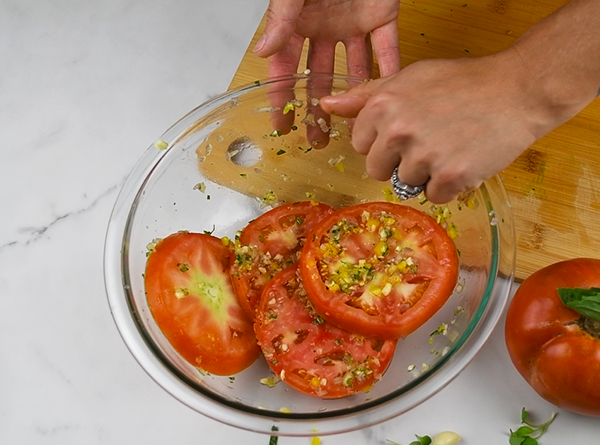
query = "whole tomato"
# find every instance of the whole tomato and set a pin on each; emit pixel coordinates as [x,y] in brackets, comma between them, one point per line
[556,348]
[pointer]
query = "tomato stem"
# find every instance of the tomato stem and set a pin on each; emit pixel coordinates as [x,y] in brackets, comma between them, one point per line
[589,325]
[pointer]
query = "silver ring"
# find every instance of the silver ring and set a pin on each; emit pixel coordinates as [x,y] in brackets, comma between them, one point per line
[405,191]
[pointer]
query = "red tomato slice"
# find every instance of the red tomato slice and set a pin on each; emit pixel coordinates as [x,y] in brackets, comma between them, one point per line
[269,244]
[311,355]
[189,293]
[379,269]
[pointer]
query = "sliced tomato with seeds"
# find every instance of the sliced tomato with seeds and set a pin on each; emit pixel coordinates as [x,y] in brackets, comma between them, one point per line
[310,354]
[380,269]
[269,244]
[189,292]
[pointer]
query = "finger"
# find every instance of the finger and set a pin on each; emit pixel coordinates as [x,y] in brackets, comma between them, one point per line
[350,103]
[387,48]
[318,133]
[320,60]
[452,178]
[439,195]
[409,172]
[439,191]
[364,134]
[280,94]
[285,62]
[359,57]
[282,64]
[321,56]
[282,16]
[382,159]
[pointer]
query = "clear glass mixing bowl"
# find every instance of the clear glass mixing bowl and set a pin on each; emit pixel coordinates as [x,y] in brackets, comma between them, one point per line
[221,166]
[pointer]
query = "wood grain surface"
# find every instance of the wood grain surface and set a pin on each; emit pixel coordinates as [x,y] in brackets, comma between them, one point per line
[554,186]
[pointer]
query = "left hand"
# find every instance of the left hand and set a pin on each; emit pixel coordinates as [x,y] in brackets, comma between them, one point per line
[355,23]
[325,23]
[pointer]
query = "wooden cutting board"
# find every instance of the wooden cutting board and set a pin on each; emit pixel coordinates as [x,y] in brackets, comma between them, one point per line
[554,186]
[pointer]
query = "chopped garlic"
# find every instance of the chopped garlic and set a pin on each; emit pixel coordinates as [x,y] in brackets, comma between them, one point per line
[161,145]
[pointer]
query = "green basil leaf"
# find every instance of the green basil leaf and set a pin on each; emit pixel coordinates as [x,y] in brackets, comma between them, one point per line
[524,431]
[424,440]
[529,441]
[515,440]
[584,301]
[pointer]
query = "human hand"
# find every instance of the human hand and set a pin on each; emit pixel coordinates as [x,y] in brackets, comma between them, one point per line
[355,23]
[361,25]
[449,123]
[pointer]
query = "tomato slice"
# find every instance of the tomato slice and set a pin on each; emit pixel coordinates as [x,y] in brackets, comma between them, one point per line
[310,354]
[189,293]
[380,269]
[269,244]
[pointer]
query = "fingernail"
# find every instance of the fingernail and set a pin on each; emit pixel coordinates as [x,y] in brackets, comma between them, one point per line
[260,44]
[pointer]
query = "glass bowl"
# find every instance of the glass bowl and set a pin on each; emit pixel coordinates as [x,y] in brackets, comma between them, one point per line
[222,165]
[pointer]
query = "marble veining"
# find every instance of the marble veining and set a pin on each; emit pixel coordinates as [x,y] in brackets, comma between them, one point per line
[85,87]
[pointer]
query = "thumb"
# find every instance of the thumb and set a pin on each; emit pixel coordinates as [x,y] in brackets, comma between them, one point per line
[282,16]
[350,103]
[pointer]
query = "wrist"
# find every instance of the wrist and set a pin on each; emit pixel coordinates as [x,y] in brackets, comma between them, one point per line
[559,60]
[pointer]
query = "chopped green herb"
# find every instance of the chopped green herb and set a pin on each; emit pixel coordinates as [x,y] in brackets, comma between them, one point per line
[441,330]
[288,107]
[243,175]
[421,440]
[210,232]
[200,186]
[151,246]
[294,127]
[273,439]
[269,197]
[271,381]
[183,267]
[318,320]
[280,152]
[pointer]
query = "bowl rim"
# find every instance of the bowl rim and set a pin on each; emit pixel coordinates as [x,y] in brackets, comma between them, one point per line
[253,419]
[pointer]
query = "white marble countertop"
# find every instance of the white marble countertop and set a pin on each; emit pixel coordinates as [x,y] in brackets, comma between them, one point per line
[85,87]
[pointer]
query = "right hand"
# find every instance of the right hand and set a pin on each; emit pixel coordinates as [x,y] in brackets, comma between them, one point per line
[449,123]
